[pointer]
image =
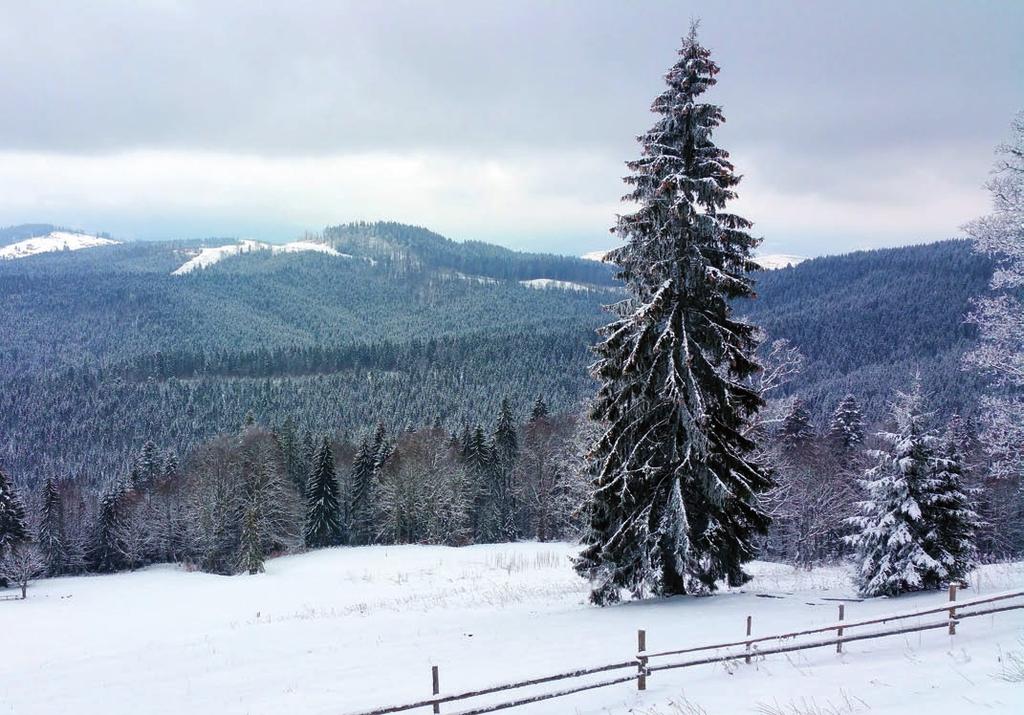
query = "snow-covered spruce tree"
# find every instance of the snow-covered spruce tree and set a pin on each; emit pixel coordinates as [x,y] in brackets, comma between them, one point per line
[899,543]
[949,506]
[675,504]
[13,526]
[106,549]
[323,503]
[148,467]
[481,462]
[503,493]
[539,410]
[796,431]
[51,537]
[1000,316]
[846,429]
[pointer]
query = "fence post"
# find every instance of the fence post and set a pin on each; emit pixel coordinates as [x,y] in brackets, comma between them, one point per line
[750,620]
[641,660]
[952,611]
[436,683]
[839,632]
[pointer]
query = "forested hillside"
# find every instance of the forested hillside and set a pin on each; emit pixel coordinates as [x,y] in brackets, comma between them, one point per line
[104,349]
[867,321]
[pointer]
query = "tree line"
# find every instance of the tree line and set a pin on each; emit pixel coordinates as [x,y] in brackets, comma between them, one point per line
[243,497]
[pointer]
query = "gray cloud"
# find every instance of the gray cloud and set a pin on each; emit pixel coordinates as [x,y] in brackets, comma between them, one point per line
[843,102]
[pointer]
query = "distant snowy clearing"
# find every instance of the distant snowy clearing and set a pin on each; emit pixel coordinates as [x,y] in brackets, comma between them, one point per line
[551,283]
[206,257]
[55,241]
[340,630]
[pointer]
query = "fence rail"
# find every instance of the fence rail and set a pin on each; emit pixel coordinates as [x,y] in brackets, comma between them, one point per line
[641,662]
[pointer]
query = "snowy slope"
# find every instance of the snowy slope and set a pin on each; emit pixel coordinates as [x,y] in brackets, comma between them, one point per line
[55,241]
[340,630]
[207,257]
[595,255]
[775,261]
[548,283]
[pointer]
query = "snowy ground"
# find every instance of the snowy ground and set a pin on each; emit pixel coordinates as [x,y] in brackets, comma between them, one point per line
[341,630]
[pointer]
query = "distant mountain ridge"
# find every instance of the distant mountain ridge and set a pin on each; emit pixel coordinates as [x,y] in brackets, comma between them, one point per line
[111,347]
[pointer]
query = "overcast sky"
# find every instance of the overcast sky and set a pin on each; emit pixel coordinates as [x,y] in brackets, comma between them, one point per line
[856,124]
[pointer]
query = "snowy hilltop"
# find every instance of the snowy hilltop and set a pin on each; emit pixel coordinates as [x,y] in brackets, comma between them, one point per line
[54,241]
[206,257]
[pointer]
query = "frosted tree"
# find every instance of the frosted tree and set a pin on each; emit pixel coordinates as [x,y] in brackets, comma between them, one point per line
[13,526]
[950,507]
[502,489]
[481,462]
[1000,316]
[268,503]
[846,429]
[106,548]
[291,451]
[796,431]
[895,539]
[148,467]
[251,556]
[362,525]
[21,564]
[52,533]
[675,506]
[323,502]
[539,410]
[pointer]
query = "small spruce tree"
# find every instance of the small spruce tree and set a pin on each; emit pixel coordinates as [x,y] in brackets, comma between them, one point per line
[910,519]
[796,431]
[539,411]
[846,429]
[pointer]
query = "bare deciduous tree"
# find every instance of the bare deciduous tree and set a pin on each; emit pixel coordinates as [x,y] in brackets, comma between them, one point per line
[22,564]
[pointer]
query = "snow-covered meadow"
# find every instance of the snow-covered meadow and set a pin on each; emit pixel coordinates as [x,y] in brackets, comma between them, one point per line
[339,630]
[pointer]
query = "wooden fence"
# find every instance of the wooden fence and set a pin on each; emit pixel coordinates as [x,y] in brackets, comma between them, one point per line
[641,667]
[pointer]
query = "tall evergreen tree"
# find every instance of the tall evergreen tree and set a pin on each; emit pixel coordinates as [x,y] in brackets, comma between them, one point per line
[323,502]
[52,537]
[503,492]
[846,429]
[675,506]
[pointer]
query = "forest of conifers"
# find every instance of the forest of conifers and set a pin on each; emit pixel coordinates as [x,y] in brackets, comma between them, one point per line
[130,392]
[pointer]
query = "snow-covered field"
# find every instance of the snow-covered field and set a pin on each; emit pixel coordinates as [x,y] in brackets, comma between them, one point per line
[340,630]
